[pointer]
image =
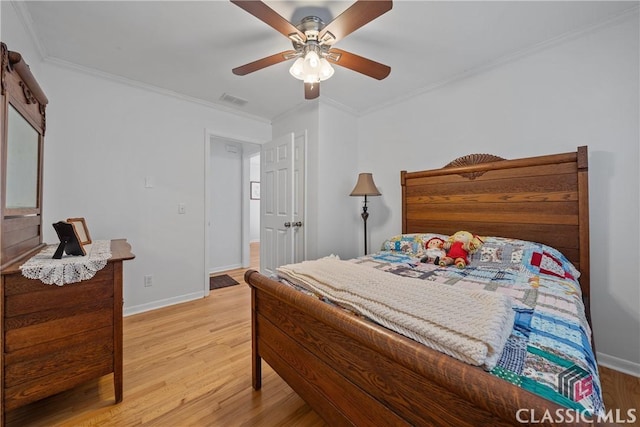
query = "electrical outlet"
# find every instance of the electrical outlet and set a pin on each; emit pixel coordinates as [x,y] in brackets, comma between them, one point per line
[148,281]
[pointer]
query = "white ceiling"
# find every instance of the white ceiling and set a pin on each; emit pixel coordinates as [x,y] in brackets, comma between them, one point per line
[190,47]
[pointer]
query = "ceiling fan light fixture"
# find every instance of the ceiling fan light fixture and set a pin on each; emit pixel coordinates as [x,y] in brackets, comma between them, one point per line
[313,43]
[311,61]
[312,78]
[311,68]
[297,69]
[326,70]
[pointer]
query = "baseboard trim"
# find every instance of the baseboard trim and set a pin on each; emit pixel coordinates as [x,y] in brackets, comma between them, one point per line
[622,365]
[136,309]
[225,268]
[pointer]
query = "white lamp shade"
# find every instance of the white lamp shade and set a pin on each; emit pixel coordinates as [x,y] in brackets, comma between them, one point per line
[297,69]
[326,70]
[312,61]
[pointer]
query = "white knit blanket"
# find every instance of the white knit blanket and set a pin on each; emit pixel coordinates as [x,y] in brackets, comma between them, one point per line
[470,325]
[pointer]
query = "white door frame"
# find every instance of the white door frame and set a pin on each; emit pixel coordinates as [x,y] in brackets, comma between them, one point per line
[208,136]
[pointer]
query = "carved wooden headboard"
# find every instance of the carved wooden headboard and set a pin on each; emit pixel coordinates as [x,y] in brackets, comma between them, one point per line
[543,199]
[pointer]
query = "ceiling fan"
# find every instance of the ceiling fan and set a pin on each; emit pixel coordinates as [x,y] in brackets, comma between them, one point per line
[313,40]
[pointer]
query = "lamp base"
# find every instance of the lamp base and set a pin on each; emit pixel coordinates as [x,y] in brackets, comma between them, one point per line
[365,216]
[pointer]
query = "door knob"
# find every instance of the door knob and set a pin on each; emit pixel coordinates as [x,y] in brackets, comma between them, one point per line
[297,224]
[287,224]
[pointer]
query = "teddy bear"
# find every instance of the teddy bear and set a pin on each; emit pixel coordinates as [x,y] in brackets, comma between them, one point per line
[433,251]
[458,247]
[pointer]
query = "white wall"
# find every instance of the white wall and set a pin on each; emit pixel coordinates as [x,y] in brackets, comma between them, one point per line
[103,138]
[337,175]
[331,166]
[583,91]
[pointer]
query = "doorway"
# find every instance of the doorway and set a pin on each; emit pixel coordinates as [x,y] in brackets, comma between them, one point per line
[231,214]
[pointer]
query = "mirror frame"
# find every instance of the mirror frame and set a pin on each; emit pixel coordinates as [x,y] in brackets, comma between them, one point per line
[20,228]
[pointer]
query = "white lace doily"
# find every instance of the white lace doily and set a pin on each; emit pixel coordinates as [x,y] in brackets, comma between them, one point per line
[68,269]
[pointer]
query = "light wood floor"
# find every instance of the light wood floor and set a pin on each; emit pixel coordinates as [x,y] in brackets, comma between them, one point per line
[190,365]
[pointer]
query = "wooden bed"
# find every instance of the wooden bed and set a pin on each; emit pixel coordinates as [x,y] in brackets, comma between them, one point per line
[354,372]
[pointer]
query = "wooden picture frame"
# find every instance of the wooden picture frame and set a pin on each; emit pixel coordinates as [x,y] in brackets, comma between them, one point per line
[69,241]
[80,225]
[255,190]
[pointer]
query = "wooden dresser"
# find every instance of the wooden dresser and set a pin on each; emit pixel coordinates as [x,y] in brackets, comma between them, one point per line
[57,337]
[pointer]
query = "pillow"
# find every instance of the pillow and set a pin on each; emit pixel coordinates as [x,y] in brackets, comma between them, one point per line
[497,253]
[410,244]
[514,254]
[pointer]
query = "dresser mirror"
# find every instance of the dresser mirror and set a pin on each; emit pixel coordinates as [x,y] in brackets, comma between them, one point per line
[22,163]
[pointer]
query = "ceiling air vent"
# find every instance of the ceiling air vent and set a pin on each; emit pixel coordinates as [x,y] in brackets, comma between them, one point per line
[233,100]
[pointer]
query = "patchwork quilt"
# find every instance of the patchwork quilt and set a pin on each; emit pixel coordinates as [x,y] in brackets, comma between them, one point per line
[549,349]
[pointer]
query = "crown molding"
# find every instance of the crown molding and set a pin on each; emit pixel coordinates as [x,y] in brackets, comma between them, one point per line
[27,22]
[508,58]
[150,88]
[296,108]
[340,106]
[325,101]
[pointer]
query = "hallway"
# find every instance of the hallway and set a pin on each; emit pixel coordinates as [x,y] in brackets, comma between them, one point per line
[254,263]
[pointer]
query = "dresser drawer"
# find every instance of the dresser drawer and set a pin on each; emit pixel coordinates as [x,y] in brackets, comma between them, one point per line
[51,372]
[51,326]
[23,296]
[44,361]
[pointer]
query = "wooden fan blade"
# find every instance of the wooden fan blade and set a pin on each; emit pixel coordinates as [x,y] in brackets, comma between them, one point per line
[311,90]
[358,63]
[357,15]
[263,63]
[269,17]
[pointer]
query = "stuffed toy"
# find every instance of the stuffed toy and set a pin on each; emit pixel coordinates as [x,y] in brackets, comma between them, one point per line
[433,251]
[458,247]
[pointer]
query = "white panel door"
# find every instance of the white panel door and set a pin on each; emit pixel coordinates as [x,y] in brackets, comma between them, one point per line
[299,201]
[277,205]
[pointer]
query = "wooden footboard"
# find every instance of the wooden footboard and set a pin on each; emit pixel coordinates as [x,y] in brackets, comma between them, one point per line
[354,372]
